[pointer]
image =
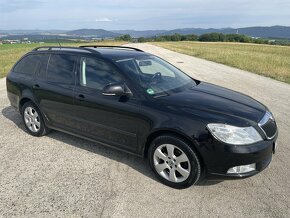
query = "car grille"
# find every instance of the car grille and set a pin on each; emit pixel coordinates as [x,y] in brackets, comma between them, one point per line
[268,125]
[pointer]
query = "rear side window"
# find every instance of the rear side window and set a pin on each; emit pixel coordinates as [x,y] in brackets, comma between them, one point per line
[97,74]
[41,70]
[28,65]
[60,68]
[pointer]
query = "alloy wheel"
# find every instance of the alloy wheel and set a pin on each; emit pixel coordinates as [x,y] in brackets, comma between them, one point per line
[32,120]
[171,163]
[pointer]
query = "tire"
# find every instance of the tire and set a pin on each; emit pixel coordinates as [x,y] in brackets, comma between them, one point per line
[174,162]
[33,120]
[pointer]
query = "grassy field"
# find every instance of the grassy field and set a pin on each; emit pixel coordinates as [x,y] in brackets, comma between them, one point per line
[9,54]
[266,60]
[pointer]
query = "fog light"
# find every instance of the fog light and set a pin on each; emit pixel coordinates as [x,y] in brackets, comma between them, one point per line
[242,169]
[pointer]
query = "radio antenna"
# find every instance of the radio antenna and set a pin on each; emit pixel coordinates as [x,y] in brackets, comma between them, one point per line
[58,42]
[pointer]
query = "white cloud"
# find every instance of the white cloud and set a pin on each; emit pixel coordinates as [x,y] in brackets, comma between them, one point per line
[104,19]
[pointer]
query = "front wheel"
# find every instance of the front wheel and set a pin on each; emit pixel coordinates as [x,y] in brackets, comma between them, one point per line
[174,162]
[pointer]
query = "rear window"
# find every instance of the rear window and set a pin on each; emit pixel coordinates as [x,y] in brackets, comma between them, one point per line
[60,68]
[28,64]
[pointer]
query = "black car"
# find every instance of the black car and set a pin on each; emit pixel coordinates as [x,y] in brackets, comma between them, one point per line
[136,102]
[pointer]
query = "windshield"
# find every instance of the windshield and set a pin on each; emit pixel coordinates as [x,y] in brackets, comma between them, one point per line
[157,77]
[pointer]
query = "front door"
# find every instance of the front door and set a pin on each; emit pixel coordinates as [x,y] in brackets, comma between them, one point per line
[109,119]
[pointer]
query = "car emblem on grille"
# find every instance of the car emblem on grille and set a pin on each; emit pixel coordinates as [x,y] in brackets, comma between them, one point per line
[268,116]
[267,120]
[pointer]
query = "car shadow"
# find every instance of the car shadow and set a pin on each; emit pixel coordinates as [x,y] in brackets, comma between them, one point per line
[136,163]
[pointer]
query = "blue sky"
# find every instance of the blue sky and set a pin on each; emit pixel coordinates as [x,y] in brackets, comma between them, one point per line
[141,15]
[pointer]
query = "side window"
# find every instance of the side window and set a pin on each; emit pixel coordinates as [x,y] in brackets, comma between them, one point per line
[41,71]
[27,65]
[97,74]
[60,68]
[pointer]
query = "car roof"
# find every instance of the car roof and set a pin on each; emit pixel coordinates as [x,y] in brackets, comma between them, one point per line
[119,53]
[110,52]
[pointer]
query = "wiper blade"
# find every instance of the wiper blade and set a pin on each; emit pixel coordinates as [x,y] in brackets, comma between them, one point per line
[161,95]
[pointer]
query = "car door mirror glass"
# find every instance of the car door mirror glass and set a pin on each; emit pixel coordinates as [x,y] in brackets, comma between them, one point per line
[117,89]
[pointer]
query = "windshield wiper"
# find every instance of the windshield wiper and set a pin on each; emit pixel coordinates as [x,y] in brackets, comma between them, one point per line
[163,94]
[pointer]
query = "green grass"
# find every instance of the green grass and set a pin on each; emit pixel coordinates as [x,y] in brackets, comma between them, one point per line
[266,60]
[9,54]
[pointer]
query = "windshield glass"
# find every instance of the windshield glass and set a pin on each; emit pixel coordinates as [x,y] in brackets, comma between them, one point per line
[156,75]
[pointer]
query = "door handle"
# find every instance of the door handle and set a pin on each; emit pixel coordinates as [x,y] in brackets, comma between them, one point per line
[36,86]
[80,97]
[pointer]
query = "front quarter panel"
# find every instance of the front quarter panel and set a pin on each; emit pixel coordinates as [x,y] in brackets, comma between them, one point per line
[158,117]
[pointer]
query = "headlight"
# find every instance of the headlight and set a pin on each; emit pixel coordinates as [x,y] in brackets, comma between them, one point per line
[234,135]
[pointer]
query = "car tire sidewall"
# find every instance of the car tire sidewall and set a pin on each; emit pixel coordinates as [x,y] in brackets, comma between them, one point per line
[42,131]
[195,172]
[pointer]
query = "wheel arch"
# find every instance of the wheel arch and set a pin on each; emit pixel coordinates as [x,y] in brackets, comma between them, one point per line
[191,142]
[22,102]
[25,97]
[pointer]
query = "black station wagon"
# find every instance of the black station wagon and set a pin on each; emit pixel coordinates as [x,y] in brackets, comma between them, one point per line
[136,102]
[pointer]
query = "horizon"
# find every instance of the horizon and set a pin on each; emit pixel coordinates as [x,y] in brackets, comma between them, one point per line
[144,29]
[140,16]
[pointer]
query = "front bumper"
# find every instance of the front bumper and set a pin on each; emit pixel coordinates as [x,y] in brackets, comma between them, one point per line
[219,158]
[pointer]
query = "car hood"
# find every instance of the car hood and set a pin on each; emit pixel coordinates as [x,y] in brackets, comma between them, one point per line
[217,104]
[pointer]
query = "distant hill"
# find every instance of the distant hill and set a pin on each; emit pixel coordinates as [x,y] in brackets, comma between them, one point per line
[34,37]
[267,32]
[263,32]
[31,32]
[282,32]
[98,33]
[141,33]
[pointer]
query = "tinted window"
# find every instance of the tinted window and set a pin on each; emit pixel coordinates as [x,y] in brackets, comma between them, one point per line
[97,73]
[60,68]
[41,71]
[28,65]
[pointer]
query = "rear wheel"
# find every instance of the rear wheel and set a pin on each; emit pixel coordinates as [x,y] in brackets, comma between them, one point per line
[33,120]
[174,162]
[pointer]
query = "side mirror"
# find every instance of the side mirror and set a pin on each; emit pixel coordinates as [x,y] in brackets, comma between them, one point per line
[117,89]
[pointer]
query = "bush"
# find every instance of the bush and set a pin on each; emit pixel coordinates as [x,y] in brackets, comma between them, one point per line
[260,41]
[212,37]
[238,38]
[176,37]
[126,37]
[191,37]
[141,39]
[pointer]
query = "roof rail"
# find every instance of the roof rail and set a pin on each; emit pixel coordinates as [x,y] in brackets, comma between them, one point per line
[49,48]
[110,46]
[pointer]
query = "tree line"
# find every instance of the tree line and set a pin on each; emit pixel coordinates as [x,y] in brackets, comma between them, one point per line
[208,37]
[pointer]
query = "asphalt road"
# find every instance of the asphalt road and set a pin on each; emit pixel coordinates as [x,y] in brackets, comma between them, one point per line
[61,175]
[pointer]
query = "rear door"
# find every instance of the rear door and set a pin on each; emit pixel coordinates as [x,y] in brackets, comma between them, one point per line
[20,78]
[108,119]
[53,86]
